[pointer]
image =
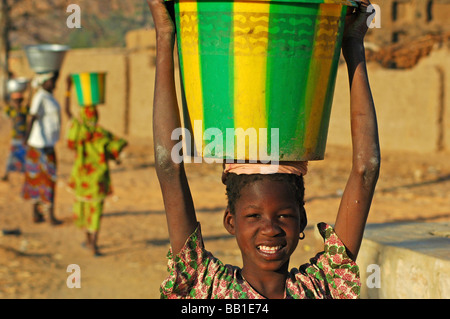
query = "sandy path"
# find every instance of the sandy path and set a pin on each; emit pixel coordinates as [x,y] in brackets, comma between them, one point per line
[412,187]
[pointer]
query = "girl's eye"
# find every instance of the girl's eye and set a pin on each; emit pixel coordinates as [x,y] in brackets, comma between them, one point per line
[288,215]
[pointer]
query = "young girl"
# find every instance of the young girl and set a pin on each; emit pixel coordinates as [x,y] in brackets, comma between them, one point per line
[90,178]
[265,212]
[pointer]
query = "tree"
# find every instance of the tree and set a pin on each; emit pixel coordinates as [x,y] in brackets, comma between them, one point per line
[104,24]
[4,46]
[12,13]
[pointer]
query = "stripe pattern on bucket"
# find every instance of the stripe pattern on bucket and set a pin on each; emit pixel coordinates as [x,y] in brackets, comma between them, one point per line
[249,65]
[90,88]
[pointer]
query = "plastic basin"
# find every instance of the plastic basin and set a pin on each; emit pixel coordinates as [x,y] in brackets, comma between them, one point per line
[257,67]
[44,58]
[90,87]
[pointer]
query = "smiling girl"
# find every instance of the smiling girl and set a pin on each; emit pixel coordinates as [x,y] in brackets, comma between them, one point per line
[265,212]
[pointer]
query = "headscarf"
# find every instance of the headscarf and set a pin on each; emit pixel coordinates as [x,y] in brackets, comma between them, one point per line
[85,129]
[40,79]
[289,167]
[89,116]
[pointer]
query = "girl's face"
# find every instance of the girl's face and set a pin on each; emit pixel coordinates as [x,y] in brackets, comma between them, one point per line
[267,224]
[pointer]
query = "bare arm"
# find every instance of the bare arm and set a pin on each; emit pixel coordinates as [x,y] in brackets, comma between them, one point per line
[67,97]
[180,213]
[29,127]
[358,193]
[32,117]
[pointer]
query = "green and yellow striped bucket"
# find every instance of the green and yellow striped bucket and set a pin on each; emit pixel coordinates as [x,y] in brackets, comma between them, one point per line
[259,65]
[90,88]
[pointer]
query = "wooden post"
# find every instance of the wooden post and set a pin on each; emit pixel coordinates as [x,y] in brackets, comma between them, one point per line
[4,47]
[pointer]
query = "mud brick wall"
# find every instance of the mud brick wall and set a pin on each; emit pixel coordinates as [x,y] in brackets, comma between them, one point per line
[413,105]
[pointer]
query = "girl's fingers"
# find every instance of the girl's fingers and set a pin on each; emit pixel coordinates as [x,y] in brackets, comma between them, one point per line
[358,20]
[161,18]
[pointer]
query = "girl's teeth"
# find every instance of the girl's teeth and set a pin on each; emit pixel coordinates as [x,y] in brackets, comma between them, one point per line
[268,249]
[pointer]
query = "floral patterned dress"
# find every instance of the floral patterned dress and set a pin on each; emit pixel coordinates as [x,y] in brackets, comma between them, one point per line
[40,175]
[90,178]
[16,159]
[195,273]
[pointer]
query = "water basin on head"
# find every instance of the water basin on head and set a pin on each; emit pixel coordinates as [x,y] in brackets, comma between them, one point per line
[90,87]
[266,69]
[44,58]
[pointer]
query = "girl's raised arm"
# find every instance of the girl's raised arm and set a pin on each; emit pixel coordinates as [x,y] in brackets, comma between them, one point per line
[358,193]
[180,213]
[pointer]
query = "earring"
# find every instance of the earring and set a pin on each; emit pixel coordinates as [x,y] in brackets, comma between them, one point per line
[302,236]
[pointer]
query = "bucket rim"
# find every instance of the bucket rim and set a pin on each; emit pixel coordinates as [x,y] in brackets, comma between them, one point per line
[88,72]
[351,3]
[47,47]
[19,80]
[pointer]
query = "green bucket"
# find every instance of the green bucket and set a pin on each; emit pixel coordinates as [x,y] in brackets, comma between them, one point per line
[90,88]
[258,77]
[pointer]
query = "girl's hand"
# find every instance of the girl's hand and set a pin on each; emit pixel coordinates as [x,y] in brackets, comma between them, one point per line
[163,22]
[357,21]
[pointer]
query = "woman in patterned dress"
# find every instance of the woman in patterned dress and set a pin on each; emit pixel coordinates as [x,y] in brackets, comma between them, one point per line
[43,133]
[265,212]
[90,178]
[17,111]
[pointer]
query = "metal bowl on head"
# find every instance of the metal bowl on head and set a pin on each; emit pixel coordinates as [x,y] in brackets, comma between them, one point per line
[44,58]
[17,85]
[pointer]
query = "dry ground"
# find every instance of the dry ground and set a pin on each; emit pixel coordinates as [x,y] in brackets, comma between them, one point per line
[133,238]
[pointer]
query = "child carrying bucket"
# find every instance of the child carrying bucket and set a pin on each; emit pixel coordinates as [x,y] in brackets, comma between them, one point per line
[266,212]
[90,179]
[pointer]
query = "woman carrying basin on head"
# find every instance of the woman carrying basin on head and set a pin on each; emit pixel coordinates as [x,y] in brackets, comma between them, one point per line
[90,178]
[17,110]
[42,135]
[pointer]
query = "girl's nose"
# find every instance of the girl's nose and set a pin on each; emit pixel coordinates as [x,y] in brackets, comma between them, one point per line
[270,228]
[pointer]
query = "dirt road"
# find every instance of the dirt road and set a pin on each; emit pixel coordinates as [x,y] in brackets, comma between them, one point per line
[133,237]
